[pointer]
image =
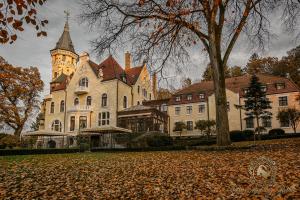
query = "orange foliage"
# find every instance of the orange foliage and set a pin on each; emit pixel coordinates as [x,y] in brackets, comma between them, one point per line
[13,14]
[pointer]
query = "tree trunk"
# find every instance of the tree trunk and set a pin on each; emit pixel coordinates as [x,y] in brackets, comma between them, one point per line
[222,125]
[18,131]
[258,128]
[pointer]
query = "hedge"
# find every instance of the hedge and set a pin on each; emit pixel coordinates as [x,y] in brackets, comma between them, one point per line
[9,152]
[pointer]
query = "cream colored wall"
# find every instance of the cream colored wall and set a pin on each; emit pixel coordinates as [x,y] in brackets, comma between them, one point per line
[144,83]
[292,102]
[96,89]
[194,116]
[57,97]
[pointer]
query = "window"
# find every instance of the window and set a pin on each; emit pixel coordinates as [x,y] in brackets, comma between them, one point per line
[104,100]
[124,102]
[266,122]
[249,122]
[280,86]
[52,107]
[189,110]
[56,126]
[84,82]
[246,90]
[82,122]
[76,101]
[145,93]
[189,97]
[201,96]
[139,88]
[62,106]
[55,75]
[63,58]
[88,100]
[177,110]
[189,125]
[228,106]
[201,108]
[72,123]
[283,101]
[284,123]
[263,88]
[138,103]
[164,107]
[177,98]
[103,118]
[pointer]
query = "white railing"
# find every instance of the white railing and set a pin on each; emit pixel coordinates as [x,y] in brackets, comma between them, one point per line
[81,90]
[80,108]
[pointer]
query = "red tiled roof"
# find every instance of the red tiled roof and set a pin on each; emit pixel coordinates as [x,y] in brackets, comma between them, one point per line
[133,74]
[235,84]
[112,70]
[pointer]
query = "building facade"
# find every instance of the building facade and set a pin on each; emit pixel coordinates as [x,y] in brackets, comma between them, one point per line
[84,94]
[197,102]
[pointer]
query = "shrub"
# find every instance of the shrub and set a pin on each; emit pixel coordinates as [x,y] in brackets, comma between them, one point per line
[159,141]
[9,141]
[238,135]
[276,131]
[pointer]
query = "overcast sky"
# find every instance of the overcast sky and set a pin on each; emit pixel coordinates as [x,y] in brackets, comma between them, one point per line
[29,50]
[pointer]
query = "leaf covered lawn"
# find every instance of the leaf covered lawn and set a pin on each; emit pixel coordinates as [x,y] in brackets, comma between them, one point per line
[149,175]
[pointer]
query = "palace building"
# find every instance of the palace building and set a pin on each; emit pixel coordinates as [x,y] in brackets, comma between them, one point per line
[87,95]
[84,94]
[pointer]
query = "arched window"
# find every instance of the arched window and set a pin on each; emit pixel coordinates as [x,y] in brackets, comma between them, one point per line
[76,101]
[62,106]
[139,89]
[125,102]
[88,100]
[138,103]
[56,126]
[104,100]
[52,107]
[63,58]
[84,82]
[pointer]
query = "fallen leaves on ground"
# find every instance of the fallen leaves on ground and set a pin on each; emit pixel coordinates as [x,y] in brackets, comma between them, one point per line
[149,175]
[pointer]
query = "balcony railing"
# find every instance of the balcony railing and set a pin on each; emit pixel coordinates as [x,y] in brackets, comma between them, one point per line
[80,109]
[81,90]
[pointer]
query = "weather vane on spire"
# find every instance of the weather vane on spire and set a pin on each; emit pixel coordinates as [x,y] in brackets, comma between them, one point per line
[67,14]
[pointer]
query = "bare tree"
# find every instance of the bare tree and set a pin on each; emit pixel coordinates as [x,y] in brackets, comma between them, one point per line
[164,30]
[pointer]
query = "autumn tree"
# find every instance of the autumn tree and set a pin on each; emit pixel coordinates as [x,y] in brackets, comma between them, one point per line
[14,14]
[208,74]
[291,116]
[205,126]
[19,95]
[164,93]
[236,71]
[165,30]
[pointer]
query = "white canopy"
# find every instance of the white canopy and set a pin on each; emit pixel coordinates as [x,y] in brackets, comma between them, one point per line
[104,129]
[45,133]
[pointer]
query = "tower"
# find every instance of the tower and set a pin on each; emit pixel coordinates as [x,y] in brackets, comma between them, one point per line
[64,57]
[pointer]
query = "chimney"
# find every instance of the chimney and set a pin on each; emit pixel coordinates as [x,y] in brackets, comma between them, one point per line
[127,60]
[154,85]
[84,57]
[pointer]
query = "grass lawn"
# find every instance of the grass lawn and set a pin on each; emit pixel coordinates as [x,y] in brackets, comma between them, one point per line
[149,175]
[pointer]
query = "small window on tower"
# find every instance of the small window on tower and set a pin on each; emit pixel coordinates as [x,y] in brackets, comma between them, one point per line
[64,58]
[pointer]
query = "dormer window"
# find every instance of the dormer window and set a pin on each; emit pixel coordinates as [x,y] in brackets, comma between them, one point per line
[280,86]
[189,97]
[263,88]
[84,82]
[177,98]
[201,96]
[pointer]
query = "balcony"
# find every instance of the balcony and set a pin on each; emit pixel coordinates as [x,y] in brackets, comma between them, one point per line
[80,109]
[81,90]
[48,97]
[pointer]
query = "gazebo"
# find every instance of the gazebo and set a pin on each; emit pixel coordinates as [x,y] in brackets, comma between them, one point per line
[49,134]
[103,137]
